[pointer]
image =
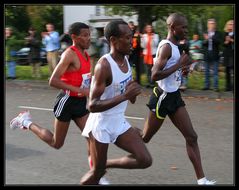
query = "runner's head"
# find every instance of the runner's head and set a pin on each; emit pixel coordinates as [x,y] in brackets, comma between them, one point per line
[177,26]
[119,36]
[80,34]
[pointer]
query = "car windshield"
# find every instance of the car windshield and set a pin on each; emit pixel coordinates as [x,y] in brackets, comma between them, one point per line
[26,49]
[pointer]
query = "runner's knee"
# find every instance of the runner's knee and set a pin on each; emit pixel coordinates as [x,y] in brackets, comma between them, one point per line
[146,139]
[145,161]
[192,139]
[58,145]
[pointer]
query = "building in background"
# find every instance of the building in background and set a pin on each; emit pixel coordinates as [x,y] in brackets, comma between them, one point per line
[93,15]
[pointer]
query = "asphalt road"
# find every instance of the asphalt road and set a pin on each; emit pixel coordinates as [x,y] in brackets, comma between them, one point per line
[29,161]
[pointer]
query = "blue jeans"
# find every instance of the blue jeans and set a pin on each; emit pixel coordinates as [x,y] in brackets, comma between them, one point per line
[215,74]
[11,68]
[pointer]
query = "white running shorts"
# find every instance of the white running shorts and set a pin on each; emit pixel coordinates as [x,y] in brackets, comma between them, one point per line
[105,128]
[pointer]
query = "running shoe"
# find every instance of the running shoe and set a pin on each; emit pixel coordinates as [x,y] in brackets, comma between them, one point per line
[22,121]
[104,181]
[205,181]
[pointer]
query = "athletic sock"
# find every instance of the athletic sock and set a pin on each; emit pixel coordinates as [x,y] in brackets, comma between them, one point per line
[26,123]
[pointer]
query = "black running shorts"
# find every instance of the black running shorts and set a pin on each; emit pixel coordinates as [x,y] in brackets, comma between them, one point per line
[164,103]
[69,107]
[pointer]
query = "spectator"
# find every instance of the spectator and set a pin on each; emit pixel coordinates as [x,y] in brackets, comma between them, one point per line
[212,39]
[65,41]
[52,42]
[195,50]
[228,53]
[10,51]
[183,47]
[135,58]
[149,43]
[35,49]
[102,44]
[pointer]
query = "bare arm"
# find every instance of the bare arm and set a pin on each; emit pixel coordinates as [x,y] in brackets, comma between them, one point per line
[164,54]
[102,78]
[61,68]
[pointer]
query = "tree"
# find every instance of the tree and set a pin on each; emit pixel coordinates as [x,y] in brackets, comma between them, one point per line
[21,17]
[197,15]
[17,18]
[54,15]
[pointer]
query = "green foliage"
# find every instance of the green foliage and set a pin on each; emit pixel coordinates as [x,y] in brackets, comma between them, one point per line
[53,14]
[25,72]
[21,17]
[197,15]
[17,17]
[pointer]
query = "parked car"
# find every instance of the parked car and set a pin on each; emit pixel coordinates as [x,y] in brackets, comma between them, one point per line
[22,56]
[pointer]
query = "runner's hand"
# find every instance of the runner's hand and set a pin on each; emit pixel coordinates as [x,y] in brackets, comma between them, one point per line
[133,89]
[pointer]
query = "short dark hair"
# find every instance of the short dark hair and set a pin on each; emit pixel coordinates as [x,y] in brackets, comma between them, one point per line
[174,17]
[112,29]
[76,27]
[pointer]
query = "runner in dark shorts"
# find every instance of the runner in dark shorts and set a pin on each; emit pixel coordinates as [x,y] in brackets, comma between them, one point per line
[163,104]
[169,66]
[73,76]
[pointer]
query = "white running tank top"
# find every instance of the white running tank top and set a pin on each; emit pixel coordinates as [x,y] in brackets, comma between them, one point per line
[117,87]
[173,81]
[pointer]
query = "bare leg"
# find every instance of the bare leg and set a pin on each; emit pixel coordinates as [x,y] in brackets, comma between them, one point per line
[80,122]
[55,140]
[182,121]
[151,126]
[98,152]
[132,143]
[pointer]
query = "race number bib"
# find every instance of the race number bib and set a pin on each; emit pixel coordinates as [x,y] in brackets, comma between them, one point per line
[86,80]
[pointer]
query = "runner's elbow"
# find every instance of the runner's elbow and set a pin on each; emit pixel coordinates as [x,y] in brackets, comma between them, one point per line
[92,107]
[155,76]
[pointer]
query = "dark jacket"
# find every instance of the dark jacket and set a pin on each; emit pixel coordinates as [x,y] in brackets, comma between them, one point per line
[228,48]
[214,54]
[35,48]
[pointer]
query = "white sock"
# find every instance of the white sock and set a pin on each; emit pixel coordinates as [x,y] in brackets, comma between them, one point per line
[26,123]
[202,180]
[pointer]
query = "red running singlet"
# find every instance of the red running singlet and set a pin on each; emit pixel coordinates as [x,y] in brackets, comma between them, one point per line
[80,78]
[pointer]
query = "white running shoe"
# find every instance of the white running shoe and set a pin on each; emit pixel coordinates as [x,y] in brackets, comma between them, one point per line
[22,121]
[104,181]
[205,181]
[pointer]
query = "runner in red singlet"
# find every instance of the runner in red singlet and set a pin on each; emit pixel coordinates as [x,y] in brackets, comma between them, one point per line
[73,76]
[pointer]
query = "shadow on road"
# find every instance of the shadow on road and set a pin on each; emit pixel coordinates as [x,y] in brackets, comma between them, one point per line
[14,152]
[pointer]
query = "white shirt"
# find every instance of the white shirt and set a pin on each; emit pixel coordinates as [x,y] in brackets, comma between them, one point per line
[117,87]
[173,81]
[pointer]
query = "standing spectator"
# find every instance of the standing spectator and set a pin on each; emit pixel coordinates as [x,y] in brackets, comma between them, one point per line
[102,44]
[212,39]
[52,42]
[195,50]
[149,43]
[10,51]
[34,55]
[134,57]
[228,53]
[183,48]
[65,41]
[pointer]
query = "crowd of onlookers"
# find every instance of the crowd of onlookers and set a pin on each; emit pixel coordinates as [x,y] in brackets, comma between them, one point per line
[206,51]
